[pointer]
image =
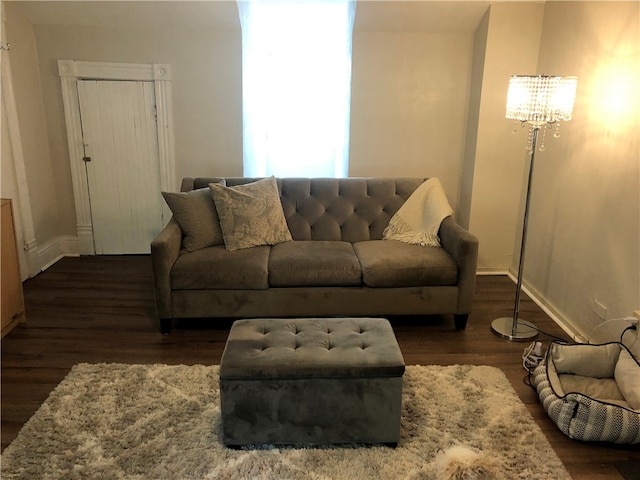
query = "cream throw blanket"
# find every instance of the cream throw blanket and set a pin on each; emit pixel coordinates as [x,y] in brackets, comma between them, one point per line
[418,220]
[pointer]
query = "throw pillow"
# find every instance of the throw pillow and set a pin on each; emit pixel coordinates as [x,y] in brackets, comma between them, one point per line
[250,214]
[197,216]
[627,375]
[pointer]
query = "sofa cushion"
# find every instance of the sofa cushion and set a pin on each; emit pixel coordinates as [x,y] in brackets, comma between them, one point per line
[251,214]
[218,268]
[197,216]
[313,263]
[391,263]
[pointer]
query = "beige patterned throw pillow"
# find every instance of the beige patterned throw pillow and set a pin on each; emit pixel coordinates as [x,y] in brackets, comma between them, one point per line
[197,216]
[250,214]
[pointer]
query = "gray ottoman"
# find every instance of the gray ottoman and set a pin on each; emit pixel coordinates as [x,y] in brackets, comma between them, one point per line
[311,381]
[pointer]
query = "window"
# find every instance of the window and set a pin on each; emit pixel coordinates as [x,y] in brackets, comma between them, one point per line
[296,61]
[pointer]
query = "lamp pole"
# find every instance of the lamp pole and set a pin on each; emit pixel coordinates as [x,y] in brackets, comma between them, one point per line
[537,100]
[506,327]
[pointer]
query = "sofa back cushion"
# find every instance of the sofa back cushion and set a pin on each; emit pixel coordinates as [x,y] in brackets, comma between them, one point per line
[348,209]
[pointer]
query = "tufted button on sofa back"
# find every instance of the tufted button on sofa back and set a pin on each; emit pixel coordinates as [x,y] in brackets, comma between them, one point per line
[352,210]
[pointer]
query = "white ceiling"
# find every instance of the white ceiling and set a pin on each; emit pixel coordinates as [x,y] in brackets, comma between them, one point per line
[437,16]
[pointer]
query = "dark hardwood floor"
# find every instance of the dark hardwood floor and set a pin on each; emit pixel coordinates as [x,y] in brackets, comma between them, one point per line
[101,309]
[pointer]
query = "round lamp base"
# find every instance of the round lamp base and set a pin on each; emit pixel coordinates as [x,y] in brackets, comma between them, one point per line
[503,327]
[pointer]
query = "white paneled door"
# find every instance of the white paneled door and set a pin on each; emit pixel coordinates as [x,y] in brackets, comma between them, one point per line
[123,169]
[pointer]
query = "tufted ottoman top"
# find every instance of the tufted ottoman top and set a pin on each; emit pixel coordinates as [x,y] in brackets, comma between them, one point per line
[311,348]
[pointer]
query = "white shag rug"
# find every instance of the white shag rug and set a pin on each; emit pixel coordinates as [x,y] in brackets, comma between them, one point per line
[118,421]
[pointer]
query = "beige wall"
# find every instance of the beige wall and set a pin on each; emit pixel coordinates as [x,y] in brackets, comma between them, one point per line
[465,193]
[496,158]
[408,109]
[206,83]
[584,234]
[424,103]
[42,177]
[409,104]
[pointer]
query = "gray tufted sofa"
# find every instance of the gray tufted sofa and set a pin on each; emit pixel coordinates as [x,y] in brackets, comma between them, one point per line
[336,265]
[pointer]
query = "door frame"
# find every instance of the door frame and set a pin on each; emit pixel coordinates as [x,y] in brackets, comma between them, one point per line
[70,72]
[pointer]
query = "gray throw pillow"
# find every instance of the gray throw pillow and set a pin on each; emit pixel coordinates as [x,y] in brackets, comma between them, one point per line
[250,214]
[197,216]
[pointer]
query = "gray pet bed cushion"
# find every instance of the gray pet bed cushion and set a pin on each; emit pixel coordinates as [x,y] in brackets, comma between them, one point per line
[591,392]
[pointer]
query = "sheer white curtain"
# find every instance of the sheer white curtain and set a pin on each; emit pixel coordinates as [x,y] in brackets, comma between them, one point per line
[296,61]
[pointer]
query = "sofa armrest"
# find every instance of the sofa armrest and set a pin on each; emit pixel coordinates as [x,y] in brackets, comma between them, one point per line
[165,249]
[187,184]
[463,247]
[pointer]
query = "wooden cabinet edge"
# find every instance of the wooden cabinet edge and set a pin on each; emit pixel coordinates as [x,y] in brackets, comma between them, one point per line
[18,314]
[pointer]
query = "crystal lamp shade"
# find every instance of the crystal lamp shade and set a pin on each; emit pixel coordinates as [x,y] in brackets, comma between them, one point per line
[540,99]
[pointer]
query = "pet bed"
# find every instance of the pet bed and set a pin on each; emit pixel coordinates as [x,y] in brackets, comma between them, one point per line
[591,392]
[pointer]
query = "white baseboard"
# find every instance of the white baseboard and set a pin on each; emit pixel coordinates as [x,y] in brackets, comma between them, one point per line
[491,271]
[548,308]
[85,240]
[42,257]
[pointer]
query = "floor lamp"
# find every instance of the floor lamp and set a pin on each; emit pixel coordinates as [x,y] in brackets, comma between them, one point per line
[540,101]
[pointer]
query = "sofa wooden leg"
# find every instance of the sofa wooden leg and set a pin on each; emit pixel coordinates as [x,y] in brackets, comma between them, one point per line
[165,326]
[460,321]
